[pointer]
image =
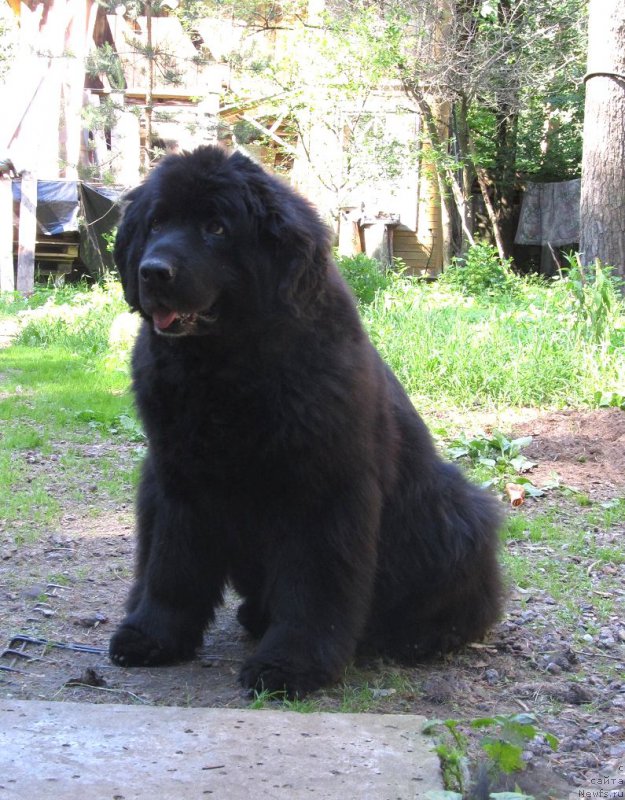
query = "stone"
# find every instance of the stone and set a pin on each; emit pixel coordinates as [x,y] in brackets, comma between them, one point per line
[70,750]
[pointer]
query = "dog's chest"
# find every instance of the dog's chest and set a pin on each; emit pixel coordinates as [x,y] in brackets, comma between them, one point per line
[228,418]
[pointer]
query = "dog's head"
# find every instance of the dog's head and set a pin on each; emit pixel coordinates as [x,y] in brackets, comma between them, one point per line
[210,238]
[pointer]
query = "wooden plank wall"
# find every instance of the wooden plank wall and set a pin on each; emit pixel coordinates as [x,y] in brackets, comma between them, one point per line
[421,246]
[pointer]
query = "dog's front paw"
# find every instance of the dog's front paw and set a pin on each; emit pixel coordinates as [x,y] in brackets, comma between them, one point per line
[130,647]
[280,676]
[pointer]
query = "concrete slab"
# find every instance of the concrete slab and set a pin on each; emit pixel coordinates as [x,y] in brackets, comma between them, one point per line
[115,752]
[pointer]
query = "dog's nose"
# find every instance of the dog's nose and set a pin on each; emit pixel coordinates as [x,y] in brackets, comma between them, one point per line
[156,271]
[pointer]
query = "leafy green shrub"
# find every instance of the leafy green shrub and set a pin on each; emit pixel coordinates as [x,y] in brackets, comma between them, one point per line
[480,272]
[495,452]
[365,275]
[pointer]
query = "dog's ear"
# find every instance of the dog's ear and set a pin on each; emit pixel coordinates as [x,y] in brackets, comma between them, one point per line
[291,234]
[302,247]
[129,243]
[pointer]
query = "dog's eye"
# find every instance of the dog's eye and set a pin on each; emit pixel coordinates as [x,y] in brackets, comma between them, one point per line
[155,225]
[213,229]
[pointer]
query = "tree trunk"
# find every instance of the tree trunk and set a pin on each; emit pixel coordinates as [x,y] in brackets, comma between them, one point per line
[505,177]
[602,211]
[464,194]
[490,210]
[483,182]
[444,176]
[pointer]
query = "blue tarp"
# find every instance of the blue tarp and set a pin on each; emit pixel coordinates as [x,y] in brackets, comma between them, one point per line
[61,204]
[57,205]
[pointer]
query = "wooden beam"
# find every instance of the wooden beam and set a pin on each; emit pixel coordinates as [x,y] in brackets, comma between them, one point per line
[27,236]
[7,276]
[268,132]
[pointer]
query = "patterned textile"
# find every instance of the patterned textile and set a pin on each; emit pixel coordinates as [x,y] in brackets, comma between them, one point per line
[550,214]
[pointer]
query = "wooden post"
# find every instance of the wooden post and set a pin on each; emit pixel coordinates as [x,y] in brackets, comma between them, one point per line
[7,276]
[149,92]
[27,236]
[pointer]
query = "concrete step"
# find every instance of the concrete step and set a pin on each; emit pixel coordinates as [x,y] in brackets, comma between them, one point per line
[67,751]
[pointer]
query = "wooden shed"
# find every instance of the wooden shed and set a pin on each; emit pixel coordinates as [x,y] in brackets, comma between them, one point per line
[394,213]
[183,97]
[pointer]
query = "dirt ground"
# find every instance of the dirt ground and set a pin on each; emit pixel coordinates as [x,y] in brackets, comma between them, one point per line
[61,597]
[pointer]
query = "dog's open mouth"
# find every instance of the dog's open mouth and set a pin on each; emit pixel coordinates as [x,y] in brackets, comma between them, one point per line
[177,323]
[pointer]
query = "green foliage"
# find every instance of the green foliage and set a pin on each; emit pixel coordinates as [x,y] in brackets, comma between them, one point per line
[109,238]
[452,754]
[610,400]
[365,275]
[123,424]
[597,302]
[500,458]
[550,133]
[480,272]
[491,450]
[503,743]
[105,60]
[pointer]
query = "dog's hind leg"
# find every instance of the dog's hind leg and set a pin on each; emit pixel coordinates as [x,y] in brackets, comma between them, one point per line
[427,625]
[439,584]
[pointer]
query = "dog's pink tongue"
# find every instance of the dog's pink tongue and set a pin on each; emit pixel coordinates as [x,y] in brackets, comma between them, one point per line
[163,319]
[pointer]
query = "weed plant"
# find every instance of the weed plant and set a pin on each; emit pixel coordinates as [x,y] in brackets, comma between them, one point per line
[480,272]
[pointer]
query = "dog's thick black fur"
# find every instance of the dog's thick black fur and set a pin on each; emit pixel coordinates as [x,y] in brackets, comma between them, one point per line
[284,457]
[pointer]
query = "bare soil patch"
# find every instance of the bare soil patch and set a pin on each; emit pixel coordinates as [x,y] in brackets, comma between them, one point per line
[585,449]
[62,594]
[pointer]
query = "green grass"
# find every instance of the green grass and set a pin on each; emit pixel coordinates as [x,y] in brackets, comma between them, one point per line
[277,701]
[522,349]
[562,549]
[355,695]
[606,515]
[64,384]
[482,335]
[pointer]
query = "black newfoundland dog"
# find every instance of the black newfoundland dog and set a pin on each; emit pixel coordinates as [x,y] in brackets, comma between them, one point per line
[284,457]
